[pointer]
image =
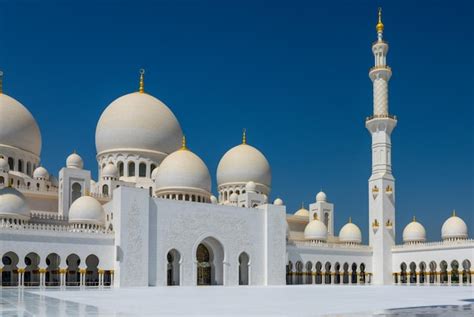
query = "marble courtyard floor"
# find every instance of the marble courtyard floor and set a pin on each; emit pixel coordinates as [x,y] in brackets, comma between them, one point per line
[302,300]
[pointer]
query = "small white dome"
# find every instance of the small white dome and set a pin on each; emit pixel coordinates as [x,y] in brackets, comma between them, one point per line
[154,172]
[316,230]
[250,187]
[110,170]
[4,167]
[454,228]
[321,196]
[278,202]
[234,198]
[414,232]
[244,163]
[350,233]
[183,170]
[302,212]
[18,128]
[214,200]
[41,173]
[87,210]
[138,121]
[13,204]
[74,161]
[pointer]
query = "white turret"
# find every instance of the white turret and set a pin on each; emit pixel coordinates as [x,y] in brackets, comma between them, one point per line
[381,182]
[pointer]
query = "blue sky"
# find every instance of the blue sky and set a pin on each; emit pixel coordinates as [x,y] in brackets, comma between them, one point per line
[293,73]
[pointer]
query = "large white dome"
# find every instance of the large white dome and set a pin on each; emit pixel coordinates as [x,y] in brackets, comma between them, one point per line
[13,204]
[414,232]
[454,228]
[138,121]
[87,210]
[18,128]
[244,163]
[350,233]
[183,170]
[316,230]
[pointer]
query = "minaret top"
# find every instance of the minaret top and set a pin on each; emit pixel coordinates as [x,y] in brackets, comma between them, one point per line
[244,136]
[379,26]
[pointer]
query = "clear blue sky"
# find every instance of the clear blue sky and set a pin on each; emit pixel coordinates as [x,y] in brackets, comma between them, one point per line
[294,73]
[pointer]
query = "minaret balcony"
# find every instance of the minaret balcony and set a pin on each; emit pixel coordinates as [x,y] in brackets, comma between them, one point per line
[381,116]
[383,71]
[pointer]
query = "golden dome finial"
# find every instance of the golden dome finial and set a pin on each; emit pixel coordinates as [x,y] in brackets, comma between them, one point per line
[350,219]
[183,143]
[244,136]
[1,82]
[454,213]
[302,205]
[141,88]
[414,218]
[379,26]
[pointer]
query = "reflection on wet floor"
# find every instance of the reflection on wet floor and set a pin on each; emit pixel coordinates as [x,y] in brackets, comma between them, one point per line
[425,311]
[20,302]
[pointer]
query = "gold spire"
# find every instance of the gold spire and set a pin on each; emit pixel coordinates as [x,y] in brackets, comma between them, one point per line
[379,26]
[141,89]
[244,136]
[183,143]
[350,219]
[414,219]
[454,213]
[1,82]
[302,205]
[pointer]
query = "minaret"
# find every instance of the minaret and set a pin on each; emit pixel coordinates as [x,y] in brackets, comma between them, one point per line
[381,182]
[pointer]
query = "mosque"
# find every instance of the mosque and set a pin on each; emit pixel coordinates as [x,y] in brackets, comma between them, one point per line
[151,219]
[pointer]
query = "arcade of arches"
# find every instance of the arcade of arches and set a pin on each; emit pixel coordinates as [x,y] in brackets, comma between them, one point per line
[326,273]
[456,272]
[57,272]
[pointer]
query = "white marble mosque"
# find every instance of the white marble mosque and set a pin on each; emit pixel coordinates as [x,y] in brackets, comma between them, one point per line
[151,219]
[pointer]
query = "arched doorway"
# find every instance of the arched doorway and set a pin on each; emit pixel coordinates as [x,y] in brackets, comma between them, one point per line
[412,273]
[345,274]
[466,271]
[10,269]
[244,260]
[173,257]
[92,270]
[362,273]
[337,276]
[210,262]
[455,272]
[443,276]
[299,272]
[403,273]
[31,275]
[432,272]
[354,273]
[52,270]
[422,275]
[309,273]
[73,275]
[319,275]
[327,273]
[289,275]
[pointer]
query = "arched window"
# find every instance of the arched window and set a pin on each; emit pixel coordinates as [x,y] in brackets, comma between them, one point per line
[152,167]
[120,168]
[204,265]
[337,276]
[299,272]
[31,274]
[309,273]
[105,190]
[327,273]
[28,168]
[131,168]
[444,272]
[173,259]
[244,269]
[92,271]
[455,272]
[354,274]
[422,267]
[72,273]
[10,269]
[142,170]
[345,274]
[466,271]
[20,166]
[326,220]
[75,191]
[433,272]
[289,274]
[11,163]
[2,180]
[362,273]
[413,273]
[403,273]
